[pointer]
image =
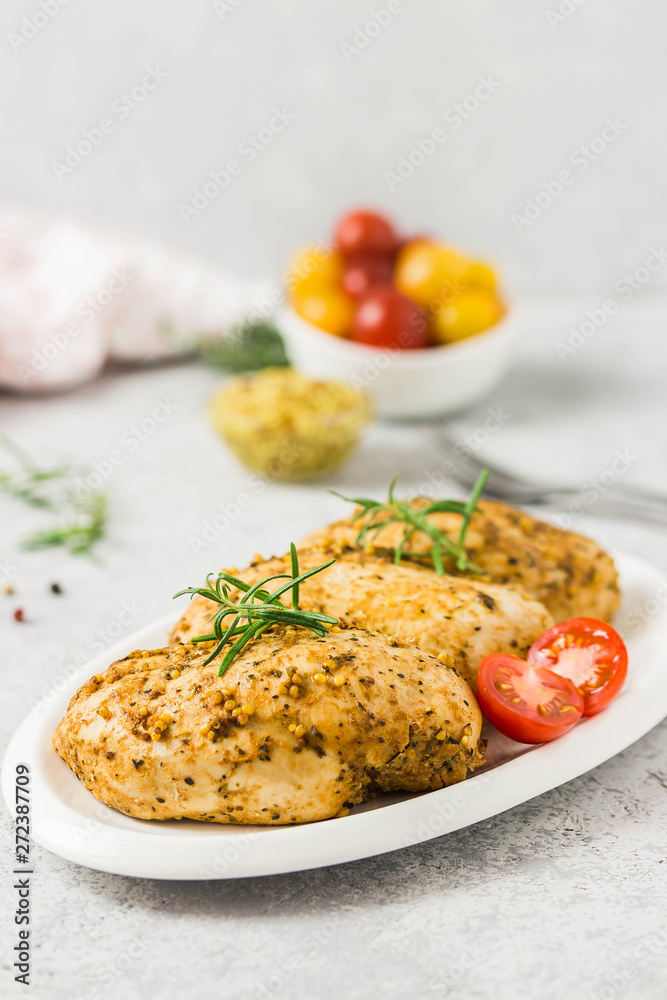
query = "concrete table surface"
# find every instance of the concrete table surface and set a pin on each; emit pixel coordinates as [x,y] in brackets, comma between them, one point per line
[564,896]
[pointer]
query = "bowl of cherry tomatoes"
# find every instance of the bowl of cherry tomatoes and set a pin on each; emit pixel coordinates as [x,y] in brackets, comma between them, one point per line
[419,325]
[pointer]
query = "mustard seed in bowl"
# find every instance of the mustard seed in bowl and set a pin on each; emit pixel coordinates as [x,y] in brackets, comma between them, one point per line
[289,427]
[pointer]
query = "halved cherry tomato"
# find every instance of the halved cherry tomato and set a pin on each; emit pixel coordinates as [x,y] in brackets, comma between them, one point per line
[365,232]
[529,704]
[363,272]
[385,318]
[588,652]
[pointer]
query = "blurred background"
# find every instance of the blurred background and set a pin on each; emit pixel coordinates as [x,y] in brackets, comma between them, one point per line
[361,94]
[204,143]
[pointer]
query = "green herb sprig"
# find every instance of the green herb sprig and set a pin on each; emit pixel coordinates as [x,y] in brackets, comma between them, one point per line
[245,348]
[376,515]
[80,520]
[82,525]
[260,609]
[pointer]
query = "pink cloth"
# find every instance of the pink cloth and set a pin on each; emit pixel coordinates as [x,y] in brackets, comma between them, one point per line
[73,298]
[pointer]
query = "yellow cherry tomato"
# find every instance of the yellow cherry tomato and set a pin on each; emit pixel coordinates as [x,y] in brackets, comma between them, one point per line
[470,313]
[313,270]
[331,310]
[427,272]
[480,275]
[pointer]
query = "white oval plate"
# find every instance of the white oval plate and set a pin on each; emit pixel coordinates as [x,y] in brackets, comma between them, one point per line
[70,822]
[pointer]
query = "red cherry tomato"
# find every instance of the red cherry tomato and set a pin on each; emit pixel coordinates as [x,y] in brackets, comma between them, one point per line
[363,272]
[365,232]
[590,653]
[529,704]
[385,318]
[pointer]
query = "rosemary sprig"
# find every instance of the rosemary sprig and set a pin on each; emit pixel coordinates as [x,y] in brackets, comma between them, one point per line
[376,515]
[81,519]
[82,526]
[245,348]
[260,608]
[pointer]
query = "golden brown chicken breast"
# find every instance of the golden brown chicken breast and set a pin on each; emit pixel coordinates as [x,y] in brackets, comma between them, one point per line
[459,620]
[569,573]
[299,728]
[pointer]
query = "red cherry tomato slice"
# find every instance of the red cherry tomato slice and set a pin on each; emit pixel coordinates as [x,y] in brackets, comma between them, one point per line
[385,318]
[363,272]
[365,232]
[527,703]
[588,652]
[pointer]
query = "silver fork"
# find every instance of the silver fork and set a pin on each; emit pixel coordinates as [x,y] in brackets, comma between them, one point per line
[464,466]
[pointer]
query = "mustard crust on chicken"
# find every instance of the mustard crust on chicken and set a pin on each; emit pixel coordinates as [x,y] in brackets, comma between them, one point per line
[457,619]
[569,573]
[299,728]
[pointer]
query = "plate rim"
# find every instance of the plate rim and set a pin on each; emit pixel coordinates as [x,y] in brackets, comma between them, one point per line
[141,852]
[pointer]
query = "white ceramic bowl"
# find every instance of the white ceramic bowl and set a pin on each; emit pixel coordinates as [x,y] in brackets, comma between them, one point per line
[405,384]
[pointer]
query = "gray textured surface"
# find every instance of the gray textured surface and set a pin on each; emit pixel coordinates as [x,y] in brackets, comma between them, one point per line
[563,896]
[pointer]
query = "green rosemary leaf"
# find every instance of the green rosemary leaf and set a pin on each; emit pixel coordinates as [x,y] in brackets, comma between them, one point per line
[254,631]
[302,577]
[260,608]
[241,585]
[445,507]
[392,485]
[437,559]
[247,347]
[398,555]
[471,506]
[417,520]
[81,527]
[360,502]
[295,572]
[81,521]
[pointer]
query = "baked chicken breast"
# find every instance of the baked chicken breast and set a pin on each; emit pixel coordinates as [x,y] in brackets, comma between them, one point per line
[456,619]
[568,573]
[299,728]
